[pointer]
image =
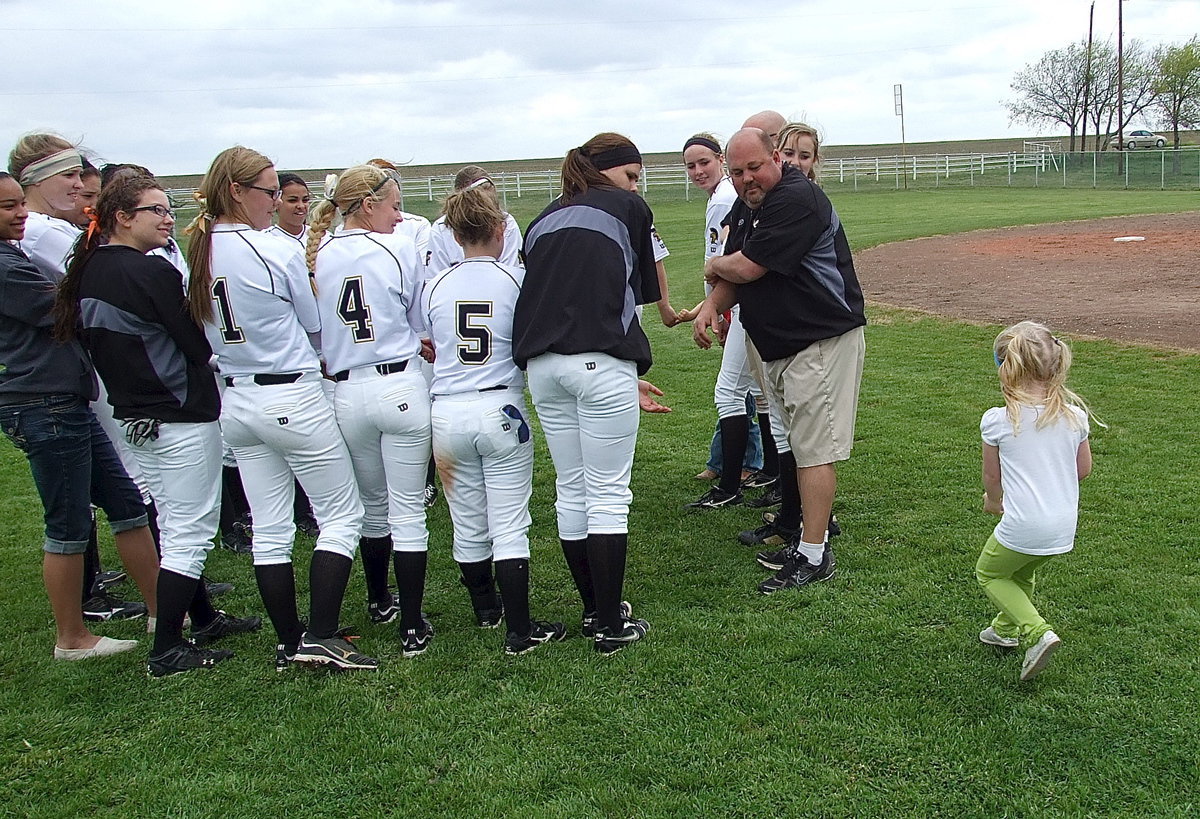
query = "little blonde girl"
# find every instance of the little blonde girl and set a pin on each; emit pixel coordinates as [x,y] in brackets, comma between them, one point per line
[1035,453]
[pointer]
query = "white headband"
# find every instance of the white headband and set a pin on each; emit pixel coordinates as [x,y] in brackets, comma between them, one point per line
[67,159]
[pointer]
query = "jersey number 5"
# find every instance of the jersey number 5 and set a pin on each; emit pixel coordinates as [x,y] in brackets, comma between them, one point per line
[354,310]
[230,332]
[475,345]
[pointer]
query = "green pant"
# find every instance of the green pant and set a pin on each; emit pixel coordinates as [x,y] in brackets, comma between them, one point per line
[1007,578]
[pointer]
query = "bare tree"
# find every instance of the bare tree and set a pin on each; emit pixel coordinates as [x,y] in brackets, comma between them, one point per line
[1051,89]
[1178,86]
[1140,93]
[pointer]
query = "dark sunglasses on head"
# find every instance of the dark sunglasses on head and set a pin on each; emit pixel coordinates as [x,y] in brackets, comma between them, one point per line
[514,414]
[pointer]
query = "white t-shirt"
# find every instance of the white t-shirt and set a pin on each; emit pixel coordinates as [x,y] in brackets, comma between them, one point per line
[369,297]
[47,242]
[444,251]
[718,207]
[469,311]
[416,228]
[263,303]
[1040,480]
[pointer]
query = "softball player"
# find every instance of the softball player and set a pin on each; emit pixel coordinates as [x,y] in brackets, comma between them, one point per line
[444,251]
[589,261]
[480,437]
[368,294]
[291,212]
[253,294]
[156,363]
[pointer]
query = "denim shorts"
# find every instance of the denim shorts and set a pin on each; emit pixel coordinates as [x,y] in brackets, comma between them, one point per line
[74,466]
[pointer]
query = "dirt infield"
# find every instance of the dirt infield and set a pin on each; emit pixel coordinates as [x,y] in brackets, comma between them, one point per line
[1070,275]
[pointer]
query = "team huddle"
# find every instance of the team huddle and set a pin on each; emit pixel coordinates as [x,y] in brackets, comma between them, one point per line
[340,351]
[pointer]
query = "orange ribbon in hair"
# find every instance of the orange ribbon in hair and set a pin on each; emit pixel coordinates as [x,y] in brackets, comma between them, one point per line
[93,223]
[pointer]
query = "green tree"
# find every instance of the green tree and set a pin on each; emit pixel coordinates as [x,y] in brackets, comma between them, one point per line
[1051,89]
[1177,83]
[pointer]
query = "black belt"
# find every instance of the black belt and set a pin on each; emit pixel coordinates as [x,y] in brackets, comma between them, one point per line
[382,369]
[495,388]
[268,379]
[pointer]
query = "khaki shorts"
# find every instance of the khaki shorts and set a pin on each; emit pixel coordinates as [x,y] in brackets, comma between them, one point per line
[817,389]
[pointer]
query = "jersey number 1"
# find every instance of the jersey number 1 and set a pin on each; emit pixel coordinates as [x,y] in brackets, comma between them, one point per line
[230,332]
[476,340]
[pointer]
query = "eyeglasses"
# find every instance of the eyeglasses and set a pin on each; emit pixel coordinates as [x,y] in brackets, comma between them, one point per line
[514,414]
[274,193]
[157,210]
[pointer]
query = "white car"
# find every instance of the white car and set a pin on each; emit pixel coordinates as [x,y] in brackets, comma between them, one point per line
[1140,138]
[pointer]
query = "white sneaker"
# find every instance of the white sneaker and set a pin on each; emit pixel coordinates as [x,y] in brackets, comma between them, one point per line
[1038,655]
[103,648]
[989,636]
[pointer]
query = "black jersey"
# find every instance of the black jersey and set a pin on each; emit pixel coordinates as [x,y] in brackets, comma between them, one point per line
[152,356]
[810,291]
[589,261]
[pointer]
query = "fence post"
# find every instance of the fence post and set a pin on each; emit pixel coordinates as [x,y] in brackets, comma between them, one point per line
[429,187]
[1064,170]
[1094,169]
[1162,171]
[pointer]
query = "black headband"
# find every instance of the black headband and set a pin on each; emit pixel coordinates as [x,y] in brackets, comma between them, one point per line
[614,157]
[704,141]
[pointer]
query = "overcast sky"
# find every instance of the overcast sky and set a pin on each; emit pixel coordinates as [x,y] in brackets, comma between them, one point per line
[168,84]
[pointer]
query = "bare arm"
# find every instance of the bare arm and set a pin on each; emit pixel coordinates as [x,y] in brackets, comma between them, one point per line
[1083,459]
[665,311]
[722,297]
[993,494]
[734,268]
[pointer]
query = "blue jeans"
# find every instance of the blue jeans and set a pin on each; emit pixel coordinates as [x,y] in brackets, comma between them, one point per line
[74,466]
[754,451]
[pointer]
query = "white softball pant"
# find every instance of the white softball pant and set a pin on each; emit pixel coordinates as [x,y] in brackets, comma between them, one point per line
[588,406]
[385,421]
[104,414]
[757,370]
[281,431]
[487,473]
[735,378]
[182,468]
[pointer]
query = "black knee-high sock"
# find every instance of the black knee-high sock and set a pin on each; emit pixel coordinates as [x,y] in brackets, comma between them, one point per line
[410,583]
[789,490]
[606,556]
[575,551]
[376,555]
[201,608]
[277,586]
[512,576]
[477,577]
[91,562]
[770,452]
[431,472]
[152,522]
[175,594]
[233,498]
[328,575]
[735,431]
[301,508]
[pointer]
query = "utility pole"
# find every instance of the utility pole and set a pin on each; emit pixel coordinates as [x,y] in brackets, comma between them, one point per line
[1120,75]
[1087,81]
[898,94]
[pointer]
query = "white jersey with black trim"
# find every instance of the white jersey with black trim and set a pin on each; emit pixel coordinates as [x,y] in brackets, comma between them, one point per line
[173,253]
[417,228]
[719,204]
[302,239]
[469,312]
[48,242]
[369,297]
[660,247]
[444,251]
[263,304]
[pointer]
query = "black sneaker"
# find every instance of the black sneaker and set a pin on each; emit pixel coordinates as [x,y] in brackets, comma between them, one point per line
[414,641]
[106,580]
[588,627]
[104,606]
[772,497]
[773,560]
[757,479]
[489,618]
[222,626]
[609,642]
[540,633]
[797,571]
[769,534]
[238,539]
[384,612]
[307,524]
[336,651]
[835,528]
[431,494]
[216,589]
[283,657]
[715,498]
[185,657]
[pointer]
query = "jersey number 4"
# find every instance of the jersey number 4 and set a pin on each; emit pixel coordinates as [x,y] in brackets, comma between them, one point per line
[475,340]
[354,310]
[230,332]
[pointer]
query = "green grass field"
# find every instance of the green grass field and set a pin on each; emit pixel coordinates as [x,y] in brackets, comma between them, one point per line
[867,696]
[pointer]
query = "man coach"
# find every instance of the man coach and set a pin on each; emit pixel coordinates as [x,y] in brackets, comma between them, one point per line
[787,263]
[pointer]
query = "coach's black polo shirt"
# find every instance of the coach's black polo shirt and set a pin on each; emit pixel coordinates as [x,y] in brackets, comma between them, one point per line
[589,262]
[810,291]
